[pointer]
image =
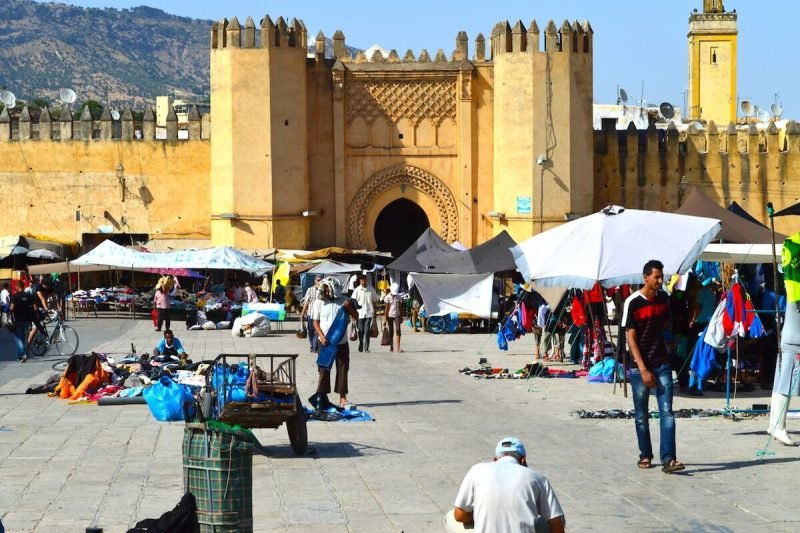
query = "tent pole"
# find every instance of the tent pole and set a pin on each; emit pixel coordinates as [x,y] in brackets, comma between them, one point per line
[133,294]
[771,214]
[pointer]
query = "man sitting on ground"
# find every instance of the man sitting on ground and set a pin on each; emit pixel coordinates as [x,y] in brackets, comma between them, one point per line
[170,345]
[506,495]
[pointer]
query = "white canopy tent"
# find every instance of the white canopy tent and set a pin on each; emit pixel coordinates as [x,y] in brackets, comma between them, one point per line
[741,253]
[334,267]
[456,293]
[111,254]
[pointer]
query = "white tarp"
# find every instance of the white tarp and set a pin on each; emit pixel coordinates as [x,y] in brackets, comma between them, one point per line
[334,267]
[456,293]
[221,257]
[741,253]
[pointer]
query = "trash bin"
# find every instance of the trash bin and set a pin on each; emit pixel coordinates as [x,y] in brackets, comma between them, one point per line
[218,471]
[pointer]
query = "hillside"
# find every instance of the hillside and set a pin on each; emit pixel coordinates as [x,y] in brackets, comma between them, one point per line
[128,56]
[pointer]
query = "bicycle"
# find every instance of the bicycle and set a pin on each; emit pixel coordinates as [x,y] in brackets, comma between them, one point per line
[64,337]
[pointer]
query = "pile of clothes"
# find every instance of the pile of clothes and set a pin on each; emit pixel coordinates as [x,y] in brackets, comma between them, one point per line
[109,295]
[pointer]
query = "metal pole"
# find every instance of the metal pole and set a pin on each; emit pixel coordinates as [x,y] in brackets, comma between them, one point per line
[771,213]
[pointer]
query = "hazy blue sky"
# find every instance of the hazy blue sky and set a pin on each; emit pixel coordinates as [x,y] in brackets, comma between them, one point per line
[635,40]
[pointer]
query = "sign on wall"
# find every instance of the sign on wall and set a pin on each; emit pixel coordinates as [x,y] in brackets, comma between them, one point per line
[523,205]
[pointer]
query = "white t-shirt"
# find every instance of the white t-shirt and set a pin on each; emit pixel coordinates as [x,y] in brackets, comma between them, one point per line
[506,496]
[366,298]
[5,297]
[325,311]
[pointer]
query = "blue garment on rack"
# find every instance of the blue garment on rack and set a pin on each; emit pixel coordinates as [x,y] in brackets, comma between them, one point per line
[704,360]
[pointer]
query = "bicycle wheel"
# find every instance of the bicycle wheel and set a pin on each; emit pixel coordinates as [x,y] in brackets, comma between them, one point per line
[66,340]
[38,346]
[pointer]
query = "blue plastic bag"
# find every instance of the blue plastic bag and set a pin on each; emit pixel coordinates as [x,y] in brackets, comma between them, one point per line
[165,398]
[338,329]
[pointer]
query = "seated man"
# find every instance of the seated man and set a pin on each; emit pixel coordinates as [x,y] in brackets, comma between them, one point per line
[506,495]
[169,345]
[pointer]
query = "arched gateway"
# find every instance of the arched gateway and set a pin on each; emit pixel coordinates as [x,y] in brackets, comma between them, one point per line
[401,182]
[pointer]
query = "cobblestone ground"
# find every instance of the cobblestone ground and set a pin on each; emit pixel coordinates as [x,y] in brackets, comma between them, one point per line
[67,466]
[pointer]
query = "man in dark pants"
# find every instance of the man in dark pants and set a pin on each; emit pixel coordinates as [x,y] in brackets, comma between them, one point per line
[646,318]
[305,313]
[23,309]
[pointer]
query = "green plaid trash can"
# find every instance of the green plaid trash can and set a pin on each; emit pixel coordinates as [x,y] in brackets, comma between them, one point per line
[218,471]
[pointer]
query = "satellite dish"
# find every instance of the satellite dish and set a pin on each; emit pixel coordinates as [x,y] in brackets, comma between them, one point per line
[67,96]
[747,108]
[8,99]
[776,109]
[697,125]
[622,96]
[667,110]
[763,115]
[115,114]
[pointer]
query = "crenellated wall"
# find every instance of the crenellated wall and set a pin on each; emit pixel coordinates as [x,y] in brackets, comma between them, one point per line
[653,169]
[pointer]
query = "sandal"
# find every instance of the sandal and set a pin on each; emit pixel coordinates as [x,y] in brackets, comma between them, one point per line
[645,463]
[673,465]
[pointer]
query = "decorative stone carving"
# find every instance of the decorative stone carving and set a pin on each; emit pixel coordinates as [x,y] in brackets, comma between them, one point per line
[394,100]
[410,176]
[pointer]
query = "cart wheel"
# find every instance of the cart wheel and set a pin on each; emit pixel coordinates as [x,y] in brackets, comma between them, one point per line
[205,407]
[436,324]
[296,426]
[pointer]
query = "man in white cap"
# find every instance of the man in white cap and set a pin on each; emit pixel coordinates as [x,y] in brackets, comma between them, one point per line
[506,495]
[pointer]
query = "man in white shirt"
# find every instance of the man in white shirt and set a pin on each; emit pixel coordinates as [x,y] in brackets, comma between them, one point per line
[506,495]
[366,298]
[5,302]
[327,305]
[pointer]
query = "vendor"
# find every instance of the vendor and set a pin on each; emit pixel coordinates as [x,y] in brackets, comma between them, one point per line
[169,345]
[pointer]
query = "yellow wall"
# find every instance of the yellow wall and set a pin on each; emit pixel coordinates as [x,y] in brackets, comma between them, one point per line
[45,183]
[712,86]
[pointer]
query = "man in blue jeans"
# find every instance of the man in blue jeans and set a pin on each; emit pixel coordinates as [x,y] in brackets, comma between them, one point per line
[646,318]
[23,309]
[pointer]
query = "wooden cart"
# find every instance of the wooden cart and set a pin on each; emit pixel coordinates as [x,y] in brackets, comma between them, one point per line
[261,394]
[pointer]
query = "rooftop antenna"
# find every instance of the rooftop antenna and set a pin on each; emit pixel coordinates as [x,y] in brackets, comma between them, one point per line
[622,96]
[776,108]
[763,115]
[115,114]
[67,96]
[667,110]
[642,102]
[8,99]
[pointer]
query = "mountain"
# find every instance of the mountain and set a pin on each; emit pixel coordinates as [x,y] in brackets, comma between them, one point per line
[128,56]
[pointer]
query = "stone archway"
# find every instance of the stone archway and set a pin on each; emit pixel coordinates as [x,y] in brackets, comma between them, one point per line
[391,184]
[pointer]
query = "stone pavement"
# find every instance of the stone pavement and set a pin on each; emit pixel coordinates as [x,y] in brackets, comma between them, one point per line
[64,467]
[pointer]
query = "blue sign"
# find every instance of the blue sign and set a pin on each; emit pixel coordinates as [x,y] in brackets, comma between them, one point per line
[523,205]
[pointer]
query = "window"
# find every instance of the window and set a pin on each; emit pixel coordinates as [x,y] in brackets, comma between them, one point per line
[713,55]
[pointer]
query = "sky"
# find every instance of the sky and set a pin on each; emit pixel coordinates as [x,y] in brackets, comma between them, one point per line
[636,41]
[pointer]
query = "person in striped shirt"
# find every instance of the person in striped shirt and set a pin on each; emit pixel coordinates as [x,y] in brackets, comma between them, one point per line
[647,322]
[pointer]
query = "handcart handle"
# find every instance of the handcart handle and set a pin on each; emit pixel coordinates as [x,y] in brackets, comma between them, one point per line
[197,408]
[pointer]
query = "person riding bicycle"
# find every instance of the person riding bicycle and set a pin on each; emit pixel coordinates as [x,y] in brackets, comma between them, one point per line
[42,292]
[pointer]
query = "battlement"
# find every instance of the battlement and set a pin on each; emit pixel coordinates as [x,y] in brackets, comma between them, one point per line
[26,126]
[708,140]
[571,37]
[280,35]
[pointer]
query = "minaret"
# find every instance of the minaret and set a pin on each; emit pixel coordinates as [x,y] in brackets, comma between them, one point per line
[712,63]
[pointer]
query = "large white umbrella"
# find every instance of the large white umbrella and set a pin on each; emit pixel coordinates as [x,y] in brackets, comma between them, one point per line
[612,246]
[43,253]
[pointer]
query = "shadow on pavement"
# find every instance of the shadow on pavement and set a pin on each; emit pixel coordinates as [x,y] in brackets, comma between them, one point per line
[328,450]
[413,402]
[736,465]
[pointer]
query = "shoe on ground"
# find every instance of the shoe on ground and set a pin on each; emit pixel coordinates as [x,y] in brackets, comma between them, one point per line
[782,436]
[360,349]
[23,359]
[366,351]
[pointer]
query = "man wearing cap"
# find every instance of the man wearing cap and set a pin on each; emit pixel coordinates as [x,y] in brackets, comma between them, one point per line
[305,313]
[506,495]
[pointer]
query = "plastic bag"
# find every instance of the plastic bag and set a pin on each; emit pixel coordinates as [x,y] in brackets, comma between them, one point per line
[301,332]
[373,329]
[338,329]
[165,398]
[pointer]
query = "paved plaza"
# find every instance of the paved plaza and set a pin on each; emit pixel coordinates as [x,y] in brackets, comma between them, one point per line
[66,466]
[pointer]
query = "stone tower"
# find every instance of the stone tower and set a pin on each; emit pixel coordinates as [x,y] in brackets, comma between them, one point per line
[712,64]
[542,122]
[259,165]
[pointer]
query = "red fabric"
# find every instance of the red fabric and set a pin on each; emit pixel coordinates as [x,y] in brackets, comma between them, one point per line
[154,316]
[739,304]
[578,314]
[526,317]
[594,296]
